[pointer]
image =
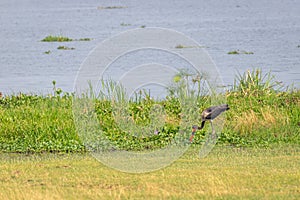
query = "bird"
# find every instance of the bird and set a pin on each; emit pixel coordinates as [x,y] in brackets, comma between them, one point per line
[209,114]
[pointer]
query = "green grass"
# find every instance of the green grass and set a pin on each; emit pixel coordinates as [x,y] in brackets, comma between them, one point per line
[264,113]
[35,124]
[226,173]
[261,115]
[256,157]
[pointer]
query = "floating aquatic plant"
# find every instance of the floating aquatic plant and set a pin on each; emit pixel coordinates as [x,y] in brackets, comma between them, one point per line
[110,7]
[52,38]
[65,48]
[125,24]
[180,46]
[84,39]
[240,52]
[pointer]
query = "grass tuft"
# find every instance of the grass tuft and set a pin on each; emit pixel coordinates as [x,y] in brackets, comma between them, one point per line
[254,83]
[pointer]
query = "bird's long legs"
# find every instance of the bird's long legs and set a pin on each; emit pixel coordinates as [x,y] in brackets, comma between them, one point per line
[212,127]
[213,133]
[191,138]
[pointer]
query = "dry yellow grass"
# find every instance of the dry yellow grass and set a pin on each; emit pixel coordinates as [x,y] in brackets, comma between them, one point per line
[226,173]
[267,117]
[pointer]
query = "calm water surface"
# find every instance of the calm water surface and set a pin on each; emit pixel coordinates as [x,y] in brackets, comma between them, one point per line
[269,29]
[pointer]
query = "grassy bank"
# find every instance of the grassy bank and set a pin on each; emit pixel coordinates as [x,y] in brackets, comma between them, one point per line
[260,115]
[227,173]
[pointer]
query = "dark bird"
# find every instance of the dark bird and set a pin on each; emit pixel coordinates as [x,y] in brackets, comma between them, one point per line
[209,114]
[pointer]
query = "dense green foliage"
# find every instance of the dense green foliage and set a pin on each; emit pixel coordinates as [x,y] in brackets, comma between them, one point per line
[35,123]
[260,115]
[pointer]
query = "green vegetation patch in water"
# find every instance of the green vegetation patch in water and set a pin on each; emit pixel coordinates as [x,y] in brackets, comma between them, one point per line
[180,46]
[65,48]
[52,38]
[235,52]
[110,7]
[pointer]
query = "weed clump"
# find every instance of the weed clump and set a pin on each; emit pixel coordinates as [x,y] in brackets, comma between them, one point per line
[261,114]
[255,83]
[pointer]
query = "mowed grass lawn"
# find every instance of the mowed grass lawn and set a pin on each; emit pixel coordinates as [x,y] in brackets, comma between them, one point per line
[226,173]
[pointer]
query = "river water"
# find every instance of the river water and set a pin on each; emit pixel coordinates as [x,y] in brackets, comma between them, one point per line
[269,29]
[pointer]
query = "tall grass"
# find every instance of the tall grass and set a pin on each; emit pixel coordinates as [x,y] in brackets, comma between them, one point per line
[254,83]
[261,111]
